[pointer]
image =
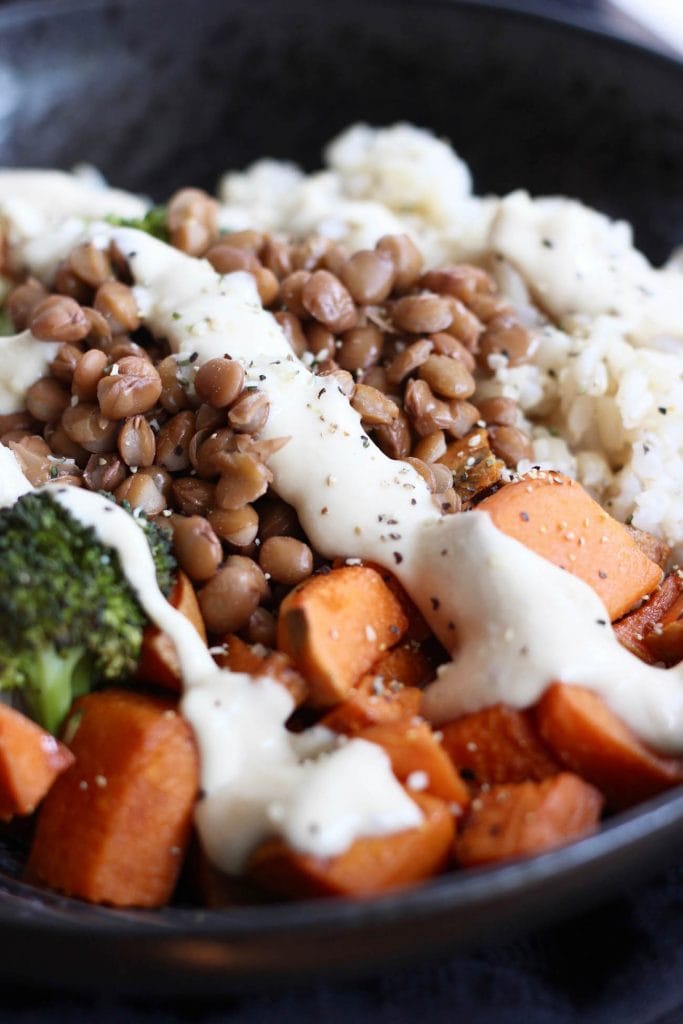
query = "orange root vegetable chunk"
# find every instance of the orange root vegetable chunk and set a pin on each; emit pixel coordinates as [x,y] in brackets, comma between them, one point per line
[30,761]
[115,826]
[555,517]
[371,704]
[589,739]
[238,656]
[641,631]
[369,867]
[525,818]
[159,662]
[335,626]
[498,744]
[418,759]
[406,664]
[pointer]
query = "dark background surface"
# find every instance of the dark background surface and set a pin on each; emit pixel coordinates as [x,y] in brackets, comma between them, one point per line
[620,963]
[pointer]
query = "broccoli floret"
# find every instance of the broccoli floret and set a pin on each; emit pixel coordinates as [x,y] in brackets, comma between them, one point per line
[153,222]
[69,617]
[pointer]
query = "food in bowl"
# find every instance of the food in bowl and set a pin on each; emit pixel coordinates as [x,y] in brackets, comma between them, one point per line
[405,448]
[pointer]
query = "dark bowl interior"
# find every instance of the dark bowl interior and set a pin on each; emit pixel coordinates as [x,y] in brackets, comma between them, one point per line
[161,94]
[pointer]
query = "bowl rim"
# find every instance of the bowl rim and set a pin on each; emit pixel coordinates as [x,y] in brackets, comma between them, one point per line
[657,821]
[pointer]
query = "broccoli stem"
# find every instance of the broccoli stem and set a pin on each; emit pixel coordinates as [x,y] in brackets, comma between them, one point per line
[56,679]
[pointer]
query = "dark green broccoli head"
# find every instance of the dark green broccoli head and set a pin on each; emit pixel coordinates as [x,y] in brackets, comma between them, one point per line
[69,617]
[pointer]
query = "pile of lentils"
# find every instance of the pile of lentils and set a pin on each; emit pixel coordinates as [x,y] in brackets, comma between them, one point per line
[119,413]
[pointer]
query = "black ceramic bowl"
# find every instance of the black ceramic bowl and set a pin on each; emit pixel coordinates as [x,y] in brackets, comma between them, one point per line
[160,94]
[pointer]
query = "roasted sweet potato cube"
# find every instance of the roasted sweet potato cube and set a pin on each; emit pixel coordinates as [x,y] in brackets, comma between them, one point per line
[115,825]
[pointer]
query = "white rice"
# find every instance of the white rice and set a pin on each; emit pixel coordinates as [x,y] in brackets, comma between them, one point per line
[605,393]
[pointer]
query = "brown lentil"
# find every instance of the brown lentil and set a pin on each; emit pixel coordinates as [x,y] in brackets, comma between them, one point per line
[173,395]
[431,447]
[425,412]
[104,472]
[66,283]
[462,280]
[99,330]
[207,451]
[369,276]
[335,258]
[267,285]
[319,340]
[447,345]
[62,444]
[360,348]
[90,264]
[510,444]
[192,220]
[421,314]
[59,318]
[219,381]
[405,256]
[136,442]
[277,518]
[375,377]
[505,335]
[161,478]
[64,363]
[465,326]
[277,257]
[229,599]
[443,478]
[309,254]
[193,496]
[286,560]
[22,302]
[87,374]
[226,258]
[86,425]
[374,407]
[236,526]
[447,377]
[409,360]
[394,438]
[133,386]
[196,547]
[499,410]
[141,491]
[326,299]
[46,400]
[249,413]
[244,479]
[463,417]
[424,470]
[173,442]
[117,304]
[208,418]
[291,292]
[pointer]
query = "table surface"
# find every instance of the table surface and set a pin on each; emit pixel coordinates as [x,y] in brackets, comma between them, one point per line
[620,963]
